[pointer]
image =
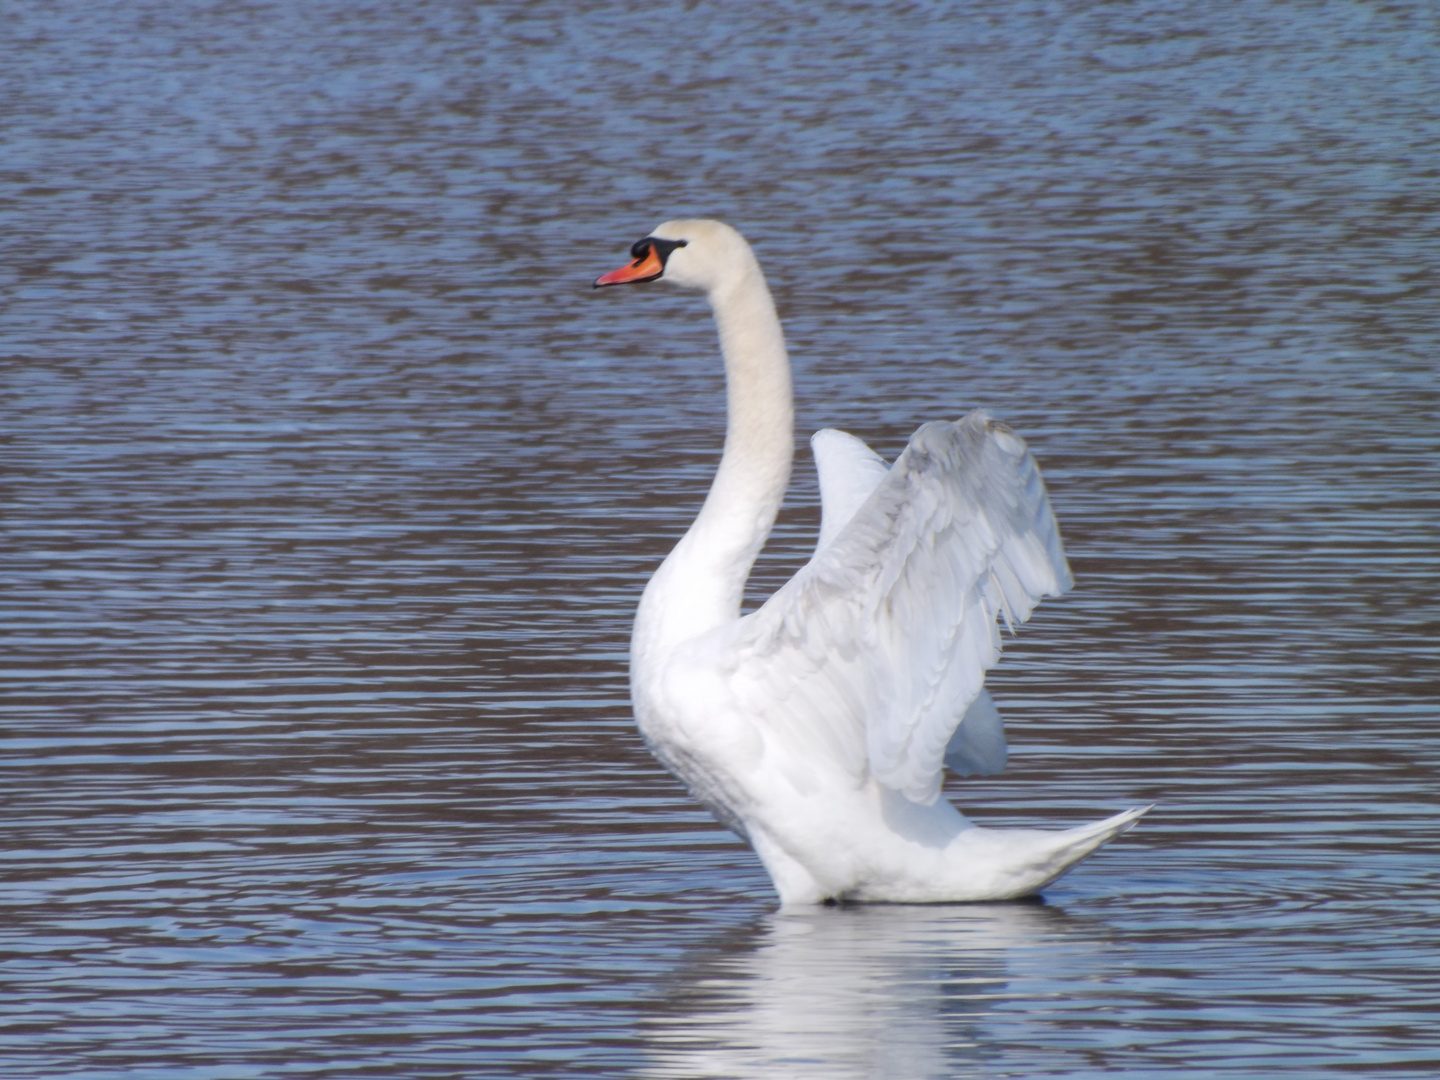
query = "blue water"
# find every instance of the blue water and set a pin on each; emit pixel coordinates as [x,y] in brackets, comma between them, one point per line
[328,488]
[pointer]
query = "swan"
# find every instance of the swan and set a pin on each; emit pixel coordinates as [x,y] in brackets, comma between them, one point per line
[818,727]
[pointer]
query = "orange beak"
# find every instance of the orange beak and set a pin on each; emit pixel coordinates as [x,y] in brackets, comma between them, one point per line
[646,268]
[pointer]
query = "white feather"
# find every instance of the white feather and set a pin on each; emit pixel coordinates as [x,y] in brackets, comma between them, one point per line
[889,630]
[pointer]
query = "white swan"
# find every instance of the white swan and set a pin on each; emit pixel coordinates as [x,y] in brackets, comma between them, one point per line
[818,727]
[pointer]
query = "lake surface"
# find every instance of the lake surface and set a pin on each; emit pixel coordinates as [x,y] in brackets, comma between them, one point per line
[329,489]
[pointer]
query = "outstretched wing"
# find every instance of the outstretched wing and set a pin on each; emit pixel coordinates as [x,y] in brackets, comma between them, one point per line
[873,652]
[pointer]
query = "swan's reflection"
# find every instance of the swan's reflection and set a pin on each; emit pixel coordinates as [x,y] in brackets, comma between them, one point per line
[873,991]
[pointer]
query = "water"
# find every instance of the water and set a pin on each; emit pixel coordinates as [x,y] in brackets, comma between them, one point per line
[330,487]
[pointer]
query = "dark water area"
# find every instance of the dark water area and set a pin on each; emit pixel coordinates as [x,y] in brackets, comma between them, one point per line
[328,488]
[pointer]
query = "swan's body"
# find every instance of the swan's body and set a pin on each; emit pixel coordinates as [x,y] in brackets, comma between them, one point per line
[819,726]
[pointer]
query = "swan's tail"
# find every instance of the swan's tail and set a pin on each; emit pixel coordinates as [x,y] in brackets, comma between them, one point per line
[1033,858]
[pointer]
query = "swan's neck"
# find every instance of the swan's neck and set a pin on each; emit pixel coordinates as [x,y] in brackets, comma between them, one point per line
[701,583]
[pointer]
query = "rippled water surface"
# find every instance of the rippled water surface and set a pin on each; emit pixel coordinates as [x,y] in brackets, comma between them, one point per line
[329,488]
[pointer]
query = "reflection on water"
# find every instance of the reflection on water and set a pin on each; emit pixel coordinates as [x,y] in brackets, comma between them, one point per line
[846,992]
[328,488]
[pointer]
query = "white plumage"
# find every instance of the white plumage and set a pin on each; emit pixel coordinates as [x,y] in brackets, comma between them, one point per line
[819,726]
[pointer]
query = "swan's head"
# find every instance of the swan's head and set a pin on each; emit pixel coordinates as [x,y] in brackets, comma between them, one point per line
[699,254]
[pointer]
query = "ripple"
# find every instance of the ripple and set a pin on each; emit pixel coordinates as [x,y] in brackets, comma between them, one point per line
[330,488]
